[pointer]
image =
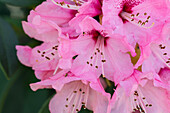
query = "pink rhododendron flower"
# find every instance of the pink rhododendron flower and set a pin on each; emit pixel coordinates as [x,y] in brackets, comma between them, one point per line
[139,95]
[140,20]
[156,55]
[52,17]
[77,50]
[47,56]
[159,57]
[101,53]
[45,22]
[74,93]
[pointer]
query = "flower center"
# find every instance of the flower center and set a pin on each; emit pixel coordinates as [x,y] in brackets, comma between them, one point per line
[139,19]
[73,4]
[97,58]
[49,55]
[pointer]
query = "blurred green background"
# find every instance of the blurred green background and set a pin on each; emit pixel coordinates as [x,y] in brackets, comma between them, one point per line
[15,93]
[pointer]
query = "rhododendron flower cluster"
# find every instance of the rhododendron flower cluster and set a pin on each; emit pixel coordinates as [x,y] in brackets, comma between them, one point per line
[87,44]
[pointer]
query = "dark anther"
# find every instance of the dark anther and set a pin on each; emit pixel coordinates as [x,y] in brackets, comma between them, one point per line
[137,14]
[103,60]
[75,91]
[66,99]
[148,17]
[42,55]
[47,58]
[132,20]
[66,105]
[165,54]
[83,103]
[167,62]
[38,51]
[150,105]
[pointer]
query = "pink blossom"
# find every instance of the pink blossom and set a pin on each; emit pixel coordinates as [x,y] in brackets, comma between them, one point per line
[101,53]
[45,22]
[143,96]
[51,18]
[47,57]
[156,55]
[74,93]
[140,20]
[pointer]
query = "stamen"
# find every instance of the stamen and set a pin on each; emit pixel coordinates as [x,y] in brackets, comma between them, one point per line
[49,54]
[77,97]
[98,55]
[67,6]
[161,51]
[136,20]
[139,102]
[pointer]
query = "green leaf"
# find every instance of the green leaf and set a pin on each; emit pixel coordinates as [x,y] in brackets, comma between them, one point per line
[3,72]
[45,108]
[20,98]
[6,86]
[3,9]
[22,3]
[8,40]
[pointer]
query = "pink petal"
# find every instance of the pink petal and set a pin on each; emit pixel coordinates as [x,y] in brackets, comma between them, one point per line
[43,22]
[24,55]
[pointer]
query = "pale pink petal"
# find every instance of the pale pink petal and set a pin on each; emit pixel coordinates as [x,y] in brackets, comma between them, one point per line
[118,59]
[91,8]
[152,64]
[24,55]
[98,98]
[157,97]
[119,102]
[46,21]
[162,79]
[42,75]
[41,85]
